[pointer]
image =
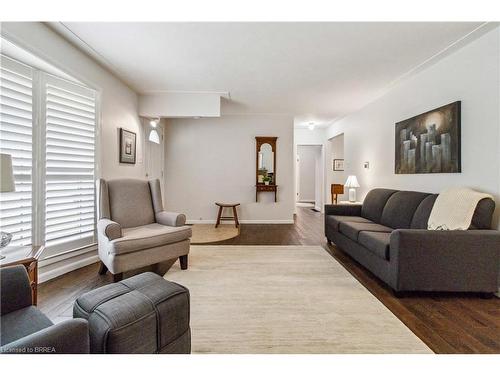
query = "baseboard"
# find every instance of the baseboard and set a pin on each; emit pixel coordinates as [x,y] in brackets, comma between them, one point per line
[59,265]
[285,221]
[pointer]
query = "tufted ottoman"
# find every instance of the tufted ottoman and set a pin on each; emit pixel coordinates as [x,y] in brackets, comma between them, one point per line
[142,314]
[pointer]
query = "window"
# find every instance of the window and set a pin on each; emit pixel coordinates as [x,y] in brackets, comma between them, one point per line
[53,158]
[16,132]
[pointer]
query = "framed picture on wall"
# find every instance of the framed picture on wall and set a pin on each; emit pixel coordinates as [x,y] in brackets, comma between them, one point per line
[127,146]
[429,142]
[338,164]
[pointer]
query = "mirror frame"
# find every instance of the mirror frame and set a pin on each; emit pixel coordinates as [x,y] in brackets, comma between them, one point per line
[259,141]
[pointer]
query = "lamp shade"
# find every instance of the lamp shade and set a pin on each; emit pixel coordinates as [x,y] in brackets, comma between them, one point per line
[7,176]
[154,137]
[352,182]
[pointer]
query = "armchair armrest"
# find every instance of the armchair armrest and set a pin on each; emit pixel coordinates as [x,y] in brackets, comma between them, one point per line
[343,209]
[110,229]
[445,260]
[15,287]
[68,337]
[171,219]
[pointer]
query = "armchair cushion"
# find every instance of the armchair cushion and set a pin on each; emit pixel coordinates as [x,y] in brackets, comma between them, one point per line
[148,236]
[130,202]
[22,322]
[172,219]
[111,229]
[15,289]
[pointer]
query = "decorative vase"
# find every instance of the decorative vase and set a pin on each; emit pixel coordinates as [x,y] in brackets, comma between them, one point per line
[5,239]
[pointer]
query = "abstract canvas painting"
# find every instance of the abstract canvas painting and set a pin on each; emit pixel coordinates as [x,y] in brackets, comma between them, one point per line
[430,142]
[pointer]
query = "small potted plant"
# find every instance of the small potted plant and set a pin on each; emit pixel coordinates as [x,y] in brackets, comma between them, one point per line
[267,180]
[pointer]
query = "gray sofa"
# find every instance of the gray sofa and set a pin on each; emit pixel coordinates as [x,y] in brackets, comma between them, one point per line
[388,235]
[134,231]
[26,330]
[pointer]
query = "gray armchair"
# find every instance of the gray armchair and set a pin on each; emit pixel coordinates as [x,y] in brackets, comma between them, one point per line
[133,229]
[26,330]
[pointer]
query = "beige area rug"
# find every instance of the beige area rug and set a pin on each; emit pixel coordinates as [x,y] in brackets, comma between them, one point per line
[206,233]
[284,299]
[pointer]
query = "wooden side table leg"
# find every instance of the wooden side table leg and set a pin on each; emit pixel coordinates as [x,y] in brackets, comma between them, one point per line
[32,270]
[235,214]
[218,217]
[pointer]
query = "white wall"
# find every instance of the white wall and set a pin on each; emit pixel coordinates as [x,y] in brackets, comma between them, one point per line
[471,75]
[213,159]
[118,101]
[306,173]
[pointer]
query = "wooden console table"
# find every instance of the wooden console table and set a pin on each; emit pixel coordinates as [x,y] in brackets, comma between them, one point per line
[262,187]
[27,256]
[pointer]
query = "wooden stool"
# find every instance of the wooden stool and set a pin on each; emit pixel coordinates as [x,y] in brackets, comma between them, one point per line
[234,217]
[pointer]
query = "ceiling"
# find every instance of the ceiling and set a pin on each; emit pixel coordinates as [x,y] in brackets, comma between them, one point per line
[314,71]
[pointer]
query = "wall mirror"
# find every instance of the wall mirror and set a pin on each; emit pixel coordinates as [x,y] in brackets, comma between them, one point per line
[266,160]
[265,165]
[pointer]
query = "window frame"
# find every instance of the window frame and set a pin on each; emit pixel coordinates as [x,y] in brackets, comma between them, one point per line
[39,79]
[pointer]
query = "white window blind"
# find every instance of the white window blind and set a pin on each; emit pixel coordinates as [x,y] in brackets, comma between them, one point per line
[16,131]
[70,112]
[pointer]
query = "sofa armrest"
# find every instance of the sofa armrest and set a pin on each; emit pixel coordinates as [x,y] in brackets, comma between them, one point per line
[15,289]
[68,337]
[343,209]
[171,219]
[109,228]
[445,260]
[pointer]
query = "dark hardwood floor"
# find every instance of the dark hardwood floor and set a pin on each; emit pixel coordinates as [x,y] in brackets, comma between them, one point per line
[446,322]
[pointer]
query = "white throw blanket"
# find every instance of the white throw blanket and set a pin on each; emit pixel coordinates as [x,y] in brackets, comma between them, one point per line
[454,209]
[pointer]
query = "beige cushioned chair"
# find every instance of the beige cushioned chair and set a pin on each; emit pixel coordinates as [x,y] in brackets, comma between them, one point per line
[133,229]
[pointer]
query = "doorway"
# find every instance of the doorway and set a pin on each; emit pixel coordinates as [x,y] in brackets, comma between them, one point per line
[309,184]
[154,154]
[335,170]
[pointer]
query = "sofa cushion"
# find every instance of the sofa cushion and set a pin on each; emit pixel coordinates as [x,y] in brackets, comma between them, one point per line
[130,202]
[351,229]
[377,242]
[21,323]
[481,220]
[423,212]
[148,236]
[483,214]
[333,221]
[400,209]
[374,204]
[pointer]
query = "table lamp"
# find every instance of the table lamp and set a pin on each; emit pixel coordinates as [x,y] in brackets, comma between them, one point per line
[352,184]
[7,185]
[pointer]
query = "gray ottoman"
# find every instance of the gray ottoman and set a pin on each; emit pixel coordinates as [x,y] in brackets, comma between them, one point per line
[142,314]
